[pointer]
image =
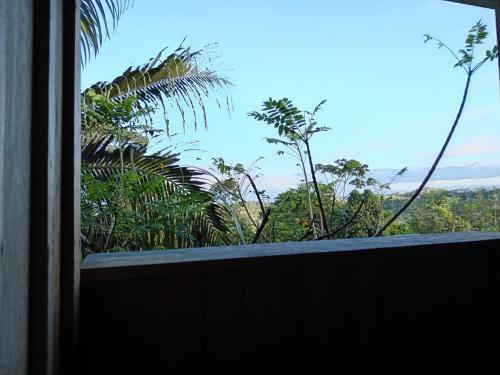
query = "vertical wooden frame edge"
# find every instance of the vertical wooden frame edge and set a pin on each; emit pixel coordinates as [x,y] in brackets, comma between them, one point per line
[45,189]
[15,92]
[38,217]
[70,192]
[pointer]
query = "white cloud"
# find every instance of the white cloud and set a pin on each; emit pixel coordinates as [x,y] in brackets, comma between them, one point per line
[482,145]
[485,144]
[276,181]
[466,183]
[274,184]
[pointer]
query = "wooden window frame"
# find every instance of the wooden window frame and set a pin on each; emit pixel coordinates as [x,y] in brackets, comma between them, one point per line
[39,188]
[39,206]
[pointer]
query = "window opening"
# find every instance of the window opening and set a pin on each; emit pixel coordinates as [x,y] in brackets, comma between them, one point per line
[284,122]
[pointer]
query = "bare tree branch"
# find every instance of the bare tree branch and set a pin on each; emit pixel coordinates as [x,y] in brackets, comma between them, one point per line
[265,219]
[434,165]
[345,225]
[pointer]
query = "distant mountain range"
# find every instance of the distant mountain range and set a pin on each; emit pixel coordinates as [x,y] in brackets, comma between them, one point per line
[473,176]
[473,171]
[464,177]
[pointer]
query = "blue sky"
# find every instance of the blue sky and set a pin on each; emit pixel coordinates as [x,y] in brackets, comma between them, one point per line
[390,97]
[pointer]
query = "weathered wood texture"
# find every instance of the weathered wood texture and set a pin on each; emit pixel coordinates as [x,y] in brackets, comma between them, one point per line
[54,260]
[33,59]
[45,215]
[404,305]
[15,130]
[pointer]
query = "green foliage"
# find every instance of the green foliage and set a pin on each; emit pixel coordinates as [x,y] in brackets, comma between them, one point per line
[465,56]
[95,23]
[181,79]
[369,218]
[178,81]
[132,200]
[437,216]
[144,203]
[282,114]
[288,119]
[232,187]
[290,217]
[297,127]
[346,172]
[434,211]
[104,118]
[476,36]
[448,211]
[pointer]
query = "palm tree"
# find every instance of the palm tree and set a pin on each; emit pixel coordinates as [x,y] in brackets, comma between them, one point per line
[144,202]
[97,18]
[178,80]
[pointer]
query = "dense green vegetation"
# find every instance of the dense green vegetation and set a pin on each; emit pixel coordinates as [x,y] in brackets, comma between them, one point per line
[132,199]
[435,211]
[449,211]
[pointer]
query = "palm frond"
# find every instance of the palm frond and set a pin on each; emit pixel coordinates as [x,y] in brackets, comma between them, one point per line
[97,19]
[168,217]
[178,80]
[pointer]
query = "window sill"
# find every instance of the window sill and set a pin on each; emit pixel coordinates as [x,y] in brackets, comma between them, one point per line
[127,265]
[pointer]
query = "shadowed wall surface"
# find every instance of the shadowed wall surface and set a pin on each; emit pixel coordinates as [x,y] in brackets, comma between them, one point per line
[400,305]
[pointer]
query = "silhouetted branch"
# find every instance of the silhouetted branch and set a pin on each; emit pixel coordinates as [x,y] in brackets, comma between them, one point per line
[434,165]
[265,219]
[345,225]
[261,204]
[308,231]
[316,188]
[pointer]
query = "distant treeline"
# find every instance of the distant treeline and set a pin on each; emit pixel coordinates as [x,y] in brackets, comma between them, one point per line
[434,211]
[448,211]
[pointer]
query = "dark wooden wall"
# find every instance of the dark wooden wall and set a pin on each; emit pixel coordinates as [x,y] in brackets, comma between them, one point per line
[410,305]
